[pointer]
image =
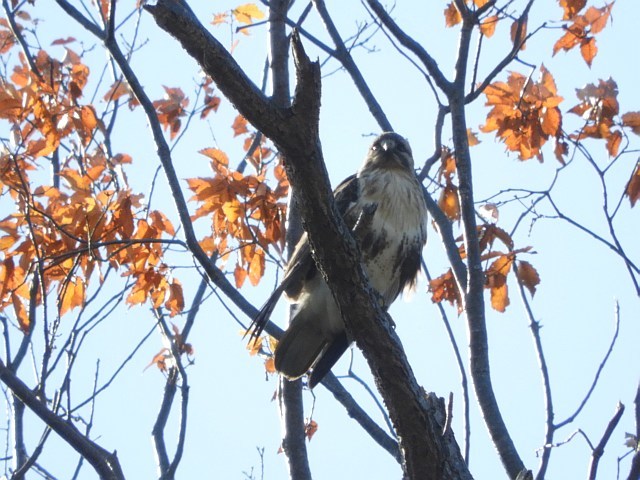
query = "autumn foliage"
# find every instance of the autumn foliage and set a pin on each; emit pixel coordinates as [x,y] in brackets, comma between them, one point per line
[67,234]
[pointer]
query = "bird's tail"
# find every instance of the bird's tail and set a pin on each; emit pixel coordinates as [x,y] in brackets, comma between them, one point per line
[299,347]
[262,318]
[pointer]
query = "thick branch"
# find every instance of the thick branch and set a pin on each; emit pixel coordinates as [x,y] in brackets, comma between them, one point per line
[428,453]
[473,297]
[290,400]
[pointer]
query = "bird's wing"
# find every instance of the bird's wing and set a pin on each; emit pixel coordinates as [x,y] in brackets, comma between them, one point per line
[301,266]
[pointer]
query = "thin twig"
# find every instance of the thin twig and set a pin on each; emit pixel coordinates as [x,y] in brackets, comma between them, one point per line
[585,399]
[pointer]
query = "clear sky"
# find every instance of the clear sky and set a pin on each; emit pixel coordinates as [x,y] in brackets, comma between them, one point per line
[231,411]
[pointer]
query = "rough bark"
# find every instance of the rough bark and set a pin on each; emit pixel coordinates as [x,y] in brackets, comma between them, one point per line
[429,451]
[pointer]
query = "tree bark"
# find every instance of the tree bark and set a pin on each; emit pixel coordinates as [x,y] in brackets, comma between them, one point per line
[429,452]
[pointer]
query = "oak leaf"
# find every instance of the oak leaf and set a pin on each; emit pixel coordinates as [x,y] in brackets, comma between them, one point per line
[72,295]
[488,26]
[524,113]
[452,16]
[581,31]
[599,108]
[633,187]
[175,303]
[310,428]
[496,281]
[528,276]
[170,109]
[247,13]
[449,202]
[571,8]
[445,288]
[21,313]
[632,120]
[239,126]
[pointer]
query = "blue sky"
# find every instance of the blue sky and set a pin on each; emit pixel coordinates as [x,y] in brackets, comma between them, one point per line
[231,412]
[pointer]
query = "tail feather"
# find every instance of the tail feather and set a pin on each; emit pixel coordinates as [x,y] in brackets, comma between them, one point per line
[299,348]
[328,359]
[262,318]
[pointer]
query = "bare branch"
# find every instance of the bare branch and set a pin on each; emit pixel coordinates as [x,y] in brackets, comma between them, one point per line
[296,135]
[344,56]
[411,45]
[105,463]
[584,401]
[598,451]
[550,428]
[473,297]
[634,472]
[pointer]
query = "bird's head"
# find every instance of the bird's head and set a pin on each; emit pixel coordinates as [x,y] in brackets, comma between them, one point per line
[389,151]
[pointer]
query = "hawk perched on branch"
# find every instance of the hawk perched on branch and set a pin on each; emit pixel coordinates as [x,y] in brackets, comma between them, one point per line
[383,205]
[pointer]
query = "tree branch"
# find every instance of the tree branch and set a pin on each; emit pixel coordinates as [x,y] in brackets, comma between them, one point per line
[473,297]
[428,453]
[104,462]
[410,44]
[344,57]
[598,451]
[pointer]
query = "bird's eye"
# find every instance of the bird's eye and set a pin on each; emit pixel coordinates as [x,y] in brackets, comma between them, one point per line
[374,147]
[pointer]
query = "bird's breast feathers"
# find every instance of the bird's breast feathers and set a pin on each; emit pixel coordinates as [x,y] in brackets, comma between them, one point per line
[394,236]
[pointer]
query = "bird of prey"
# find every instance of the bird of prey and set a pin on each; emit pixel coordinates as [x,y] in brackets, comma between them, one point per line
[384,206]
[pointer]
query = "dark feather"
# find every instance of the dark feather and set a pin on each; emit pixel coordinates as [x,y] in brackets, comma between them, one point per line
[301,266]
[329,358]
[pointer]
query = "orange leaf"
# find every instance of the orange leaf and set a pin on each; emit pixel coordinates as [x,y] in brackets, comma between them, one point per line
[613,143]
[632,120]
[175,304]
[160,360]
[551,119]
[449,202]
[445,288]
[270,365]
[571,8]
[310,428]
[88,117]
[472,138]
[21,313]
[233,210]
[211,103]
[500,298]
[247,13]
[239,126]
[488,26]
[528,276]
[451,15]
[160,221]
[73,294]
[588,50]
[123,218]
[44,146]
[598,17]
[254,345]
[256,267]
[520,40]
[633,187]
[239,275]
[216,155]
[220,18]
[496,281]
